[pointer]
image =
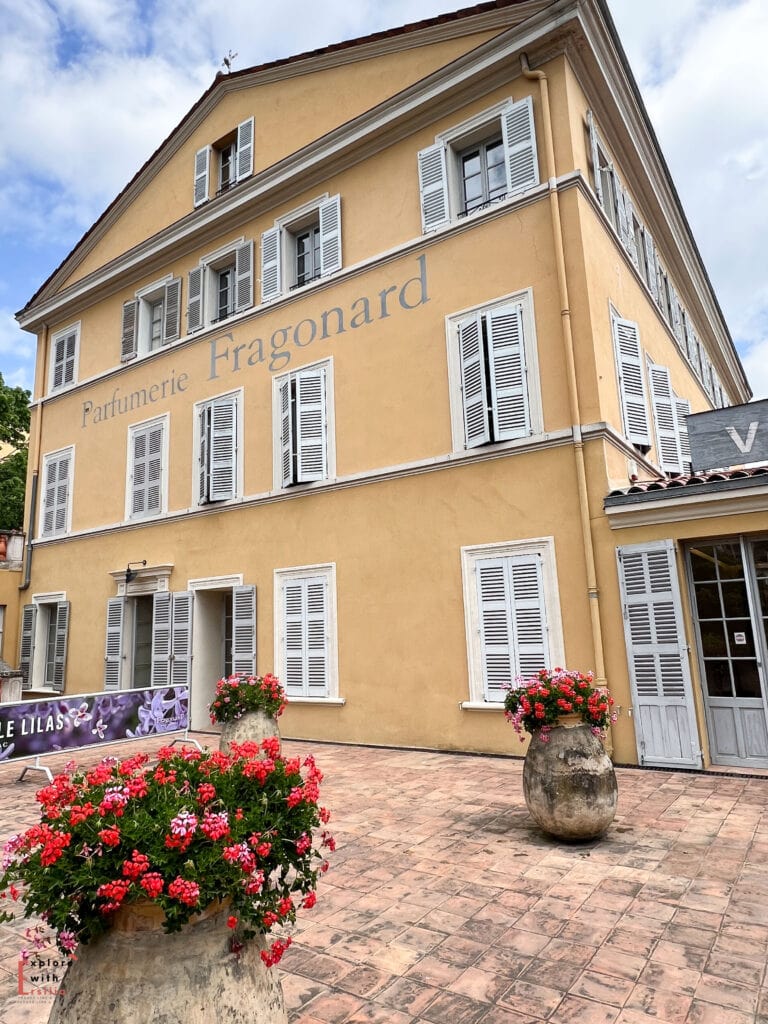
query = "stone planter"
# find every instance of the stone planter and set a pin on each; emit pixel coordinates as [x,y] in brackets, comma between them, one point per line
[137,974]
[253,725]
[569,782]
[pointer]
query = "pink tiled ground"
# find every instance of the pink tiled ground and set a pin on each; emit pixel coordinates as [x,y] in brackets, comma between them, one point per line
[446,905]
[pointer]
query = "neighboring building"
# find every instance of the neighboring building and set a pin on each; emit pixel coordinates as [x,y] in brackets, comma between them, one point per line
[338,385]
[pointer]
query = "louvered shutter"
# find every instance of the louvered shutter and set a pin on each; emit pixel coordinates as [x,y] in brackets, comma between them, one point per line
[317,631]
[129,333]
[244,630]
[202,163]
[509,385]
[147,481]
[27,644]
[62,493]
[433,188]
[59,350]
[270,264]
[519,134]
[244,276]
[311,425]
[677,317]
[305,611]
[286,433]
[245,149]
[113,650]
[477,426]
[195,299]
[663,709]
[660,294]
[634,410]
[69,358]
[60,648]
[682,409]
[631,239]
[172,311]
[665,419]
[293,631]
[621,211]
[650,263]
[330,236]
[162,613]
[223,449]
[181,639]
[204,486]
[49,498]
[593,146]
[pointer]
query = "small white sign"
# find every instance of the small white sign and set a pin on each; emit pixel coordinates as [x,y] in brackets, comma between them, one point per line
[739,638]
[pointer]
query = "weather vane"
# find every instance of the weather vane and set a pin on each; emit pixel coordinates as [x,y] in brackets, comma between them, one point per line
[227,62]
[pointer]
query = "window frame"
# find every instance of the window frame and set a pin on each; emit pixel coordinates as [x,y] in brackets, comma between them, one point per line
[278,252]
[283,577]
[240,143]
[236,255]
[137,323]
[64,334]
[277,426]
[51,612]
[57,456]
[162,421]
[236,396]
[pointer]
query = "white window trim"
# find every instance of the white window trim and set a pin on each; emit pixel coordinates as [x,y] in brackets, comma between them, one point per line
[238,395]
[470,555]
[51,368]
[330,420]
[283,576]
[216,582]
[70,482]
[145,296]
[535,408]
[165,419]
[40,640]
[213,261]
[288,225]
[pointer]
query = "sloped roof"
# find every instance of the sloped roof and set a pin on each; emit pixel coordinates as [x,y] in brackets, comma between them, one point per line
[703,483]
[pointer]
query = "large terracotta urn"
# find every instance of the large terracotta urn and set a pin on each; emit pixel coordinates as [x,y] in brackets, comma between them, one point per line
[253,725]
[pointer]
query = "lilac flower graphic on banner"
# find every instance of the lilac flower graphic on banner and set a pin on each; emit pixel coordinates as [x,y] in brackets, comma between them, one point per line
[80,715]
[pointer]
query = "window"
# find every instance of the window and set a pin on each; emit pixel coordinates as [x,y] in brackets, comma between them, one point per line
[218,451]
[631,382]
[305,622]
[43,647]
[220,286]
[56,506]
[303,246]
[148,640]
[151,319]
[482,161]
[232,158]
[512,614]
[64,352]
[303,426]
[147,476]
[492,367]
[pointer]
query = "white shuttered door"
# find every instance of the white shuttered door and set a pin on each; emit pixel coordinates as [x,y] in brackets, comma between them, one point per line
[181,639]
[113,648]
[305,631]
[244,629]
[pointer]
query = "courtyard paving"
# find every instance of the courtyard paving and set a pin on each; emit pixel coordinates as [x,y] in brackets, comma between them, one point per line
[446,905]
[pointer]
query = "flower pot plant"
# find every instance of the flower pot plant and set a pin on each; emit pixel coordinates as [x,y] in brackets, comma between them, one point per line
[220,843]
[247,708]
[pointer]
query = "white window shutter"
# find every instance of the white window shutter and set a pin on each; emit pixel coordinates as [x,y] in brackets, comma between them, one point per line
[593,146]
[62,492]
[270,264]
[129,335]
[172,311]
[181,638]
[665,420]
[682,409]
[519,134]
[311,425]
[623,213]
[146,485]
[330,236]
[529,613]
[59,349]
[162,615]
[477,428]
[245,149]
[677,317]
[139,475]
[195,299]
[223,449]
[244,276]
[49,498]
[317,631]
[27,644]
[60,650]
[155,469]
[294,629]
[286,432]
[113,647]
[204,473]
[631,238]
[202,163]
[650,263]
[433,188]
[244,630]
[634,409]
[305,610]
[509,385]
[496,630]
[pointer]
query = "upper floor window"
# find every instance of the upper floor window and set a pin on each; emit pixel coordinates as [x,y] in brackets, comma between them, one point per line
[302,247]
[151,319]
[147,469]
[64,353]
[303,426]
[218,450]
[232,160]
[220,286]
[631,379]
[481,161]
[56,506]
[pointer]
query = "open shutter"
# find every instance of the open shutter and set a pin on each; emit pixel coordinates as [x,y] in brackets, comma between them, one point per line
[161,639]
[626,338]
[650,263]
[172,311]
[202,163]
[27,644]
[244,276]
[682,409]
[270,264]
[286,433]
[330,236]
[245,149]
[665,419]
[663,709]
[631,238]
[519,134]
[195,299]
[204,487]
[181,639]
[595,157]
[311,425]
[677,316]
[433,187]
[60,649]
[622,214]
[129,333]
[244,630]
[509,385]
[113,651]
[223,447]
[477,427]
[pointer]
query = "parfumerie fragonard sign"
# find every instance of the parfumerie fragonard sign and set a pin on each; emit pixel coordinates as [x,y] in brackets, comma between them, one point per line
[274,351]
[729,437]
[32,728]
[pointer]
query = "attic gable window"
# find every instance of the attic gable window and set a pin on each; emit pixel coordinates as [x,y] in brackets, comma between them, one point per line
[230,158]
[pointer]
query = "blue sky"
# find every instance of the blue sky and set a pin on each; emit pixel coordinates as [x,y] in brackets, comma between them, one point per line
[89,88]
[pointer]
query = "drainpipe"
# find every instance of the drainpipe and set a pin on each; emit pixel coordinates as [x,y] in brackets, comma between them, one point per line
[570,364]
[34,451]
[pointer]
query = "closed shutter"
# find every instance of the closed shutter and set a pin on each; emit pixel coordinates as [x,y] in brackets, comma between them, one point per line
[181,639]
[477,427]
[433,188]
[69,358]
[113,651]
[270,264]
[244,276]
[665,419]
[626,338]
[682,409]
[663,710]
[147,483]
[172,311]
[311,426]
[129,333]
[56,497]
[161,639]
[195,299]
[27,644]
[49,497]
[330,236]
[509,385]
[60,649]
[286,432]
[245,149]
[59,349]
[305,630]
[202,163]
[223,449]
[593,147]
[519,134]
[244,630]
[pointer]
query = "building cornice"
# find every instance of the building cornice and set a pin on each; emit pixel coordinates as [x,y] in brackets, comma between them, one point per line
[707,501]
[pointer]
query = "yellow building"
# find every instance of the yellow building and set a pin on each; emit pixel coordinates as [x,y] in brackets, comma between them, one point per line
[338,386]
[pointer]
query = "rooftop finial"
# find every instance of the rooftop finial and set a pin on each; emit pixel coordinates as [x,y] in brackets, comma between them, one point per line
[227,62]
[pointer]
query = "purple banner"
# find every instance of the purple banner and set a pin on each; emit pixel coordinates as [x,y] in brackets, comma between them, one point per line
[33,727]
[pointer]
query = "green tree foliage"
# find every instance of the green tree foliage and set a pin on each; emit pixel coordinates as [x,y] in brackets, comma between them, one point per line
[14,431]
